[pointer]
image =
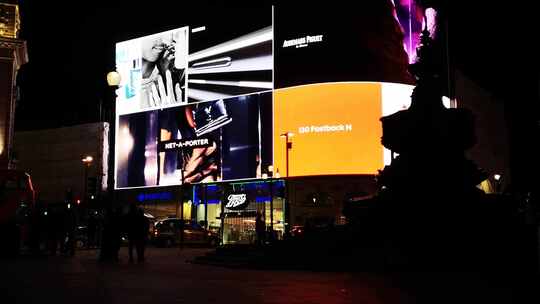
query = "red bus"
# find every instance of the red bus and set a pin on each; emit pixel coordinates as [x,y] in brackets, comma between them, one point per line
[17,202]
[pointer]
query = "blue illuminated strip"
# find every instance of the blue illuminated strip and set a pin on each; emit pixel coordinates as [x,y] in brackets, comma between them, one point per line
[250,188]
[160,196]
[262,199]
[258,199]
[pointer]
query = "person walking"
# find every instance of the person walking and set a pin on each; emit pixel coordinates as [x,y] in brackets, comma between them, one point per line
[260,229]
[137,225]
[91,231]
[131,221]
[143,225]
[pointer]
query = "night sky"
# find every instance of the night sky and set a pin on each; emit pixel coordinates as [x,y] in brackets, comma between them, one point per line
[71,49]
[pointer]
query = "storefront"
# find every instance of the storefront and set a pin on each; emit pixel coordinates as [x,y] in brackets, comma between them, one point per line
[233,208]
[230,209]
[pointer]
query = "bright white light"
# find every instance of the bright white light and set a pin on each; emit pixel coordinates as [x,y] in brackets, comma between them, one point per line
[171,179]
[126,143]
[271,168]
[264,176]
[150,171]
[92,197]
[247,84]
[147,153]
[45,213]
[250,39]
[497,177]
[206,95]
[69,206]
[446,102]
[219,62]
[239,148]
[1,140]
[198,29]
[255,84]
[257,63]
[395,97]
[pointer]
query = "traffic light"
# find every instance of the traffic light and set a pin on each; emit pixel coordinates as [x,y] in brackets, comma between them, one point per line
[91,190]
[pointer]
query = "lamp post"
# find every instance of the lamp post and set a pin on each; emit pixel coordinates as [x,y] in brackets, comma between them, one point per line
[265,177]
[271,172]
[497,178]
[113,80]
[87,161]
[288,146]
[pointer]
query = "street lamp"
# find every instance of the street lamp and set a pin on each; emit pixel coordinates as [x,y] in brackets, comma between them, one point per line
[271,172]
[87,161]
[497,178]
[288,146]
[113,79]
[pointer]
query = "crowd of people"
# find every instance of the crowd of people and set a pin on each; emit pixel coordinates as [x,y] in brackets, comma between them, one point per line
[63,229]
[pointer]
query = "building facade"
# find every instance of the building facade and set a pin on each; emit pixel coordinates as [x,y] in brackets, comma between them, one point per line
[54,159]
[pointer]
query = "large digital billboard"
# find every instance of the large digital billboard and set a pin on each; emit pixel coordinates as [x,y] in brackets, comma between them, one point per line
[208,102]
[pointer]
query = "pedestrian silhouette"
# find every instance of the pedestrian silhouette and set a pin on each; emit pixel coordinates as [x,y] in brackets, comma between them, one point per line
[91,230]
[110,241]
[260,229]
[137,225]
[67,236]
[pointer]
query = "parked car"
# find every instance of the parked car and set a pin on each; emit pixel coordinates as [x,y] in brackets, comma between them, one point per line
[313,226]
[297,231]
[81,237]
[167,232]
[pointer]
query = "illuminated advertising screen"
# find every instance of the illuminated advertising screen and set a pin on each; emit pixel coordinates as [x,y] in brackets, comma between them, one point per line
[208,102]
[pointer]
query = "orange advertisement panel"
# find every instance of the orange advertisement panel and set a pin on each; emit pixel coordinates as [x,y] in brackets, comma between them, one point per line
[336,129]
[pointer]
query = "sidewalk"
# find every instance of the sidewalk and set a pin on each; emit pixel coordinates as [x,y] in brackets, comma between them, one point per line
[167,277]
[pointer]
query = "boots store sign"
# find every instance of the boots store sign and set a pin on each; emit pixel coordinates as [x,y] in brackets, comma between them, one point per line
[237,201]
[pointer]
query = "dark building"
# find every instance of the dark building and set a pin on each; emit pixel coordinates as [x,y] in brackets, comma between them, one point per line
[13,55]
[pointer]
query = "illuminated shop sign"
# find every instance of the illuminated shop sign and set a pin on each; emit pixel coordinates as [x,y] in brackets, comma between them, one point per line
[159,196]
[179,144]
[237,201]
[303,41]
